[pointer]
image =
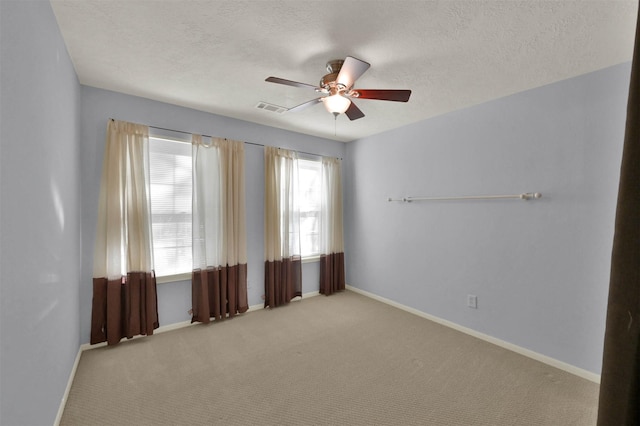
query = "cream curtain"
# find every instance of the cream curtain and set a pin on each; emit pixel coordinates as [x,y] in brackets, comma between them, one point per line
[331,228]
[219,278]
[283,262]
[124,284]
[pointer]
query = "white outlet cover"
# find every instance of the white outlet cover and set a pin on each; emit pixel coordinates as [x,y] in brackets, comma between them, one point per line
[472,301]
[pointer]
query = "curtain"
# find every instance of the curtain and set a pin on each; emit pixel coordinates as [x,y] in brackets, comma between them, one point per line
[283,262]
[620,380]
[331,229]
[219,277]
[124,283]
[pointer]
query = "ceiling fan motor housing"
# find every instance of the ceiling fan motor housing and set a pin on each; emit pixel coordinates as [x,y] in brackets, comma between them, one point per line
[328,82]
[334,66]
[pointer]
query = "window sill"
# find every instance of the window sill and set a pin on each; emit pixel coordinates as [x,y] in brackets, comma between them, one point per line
[173,278]
[187,275]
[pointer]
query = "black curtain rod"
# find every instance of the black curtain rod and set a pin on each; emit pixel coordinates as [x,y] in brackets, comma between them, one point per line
[250,143]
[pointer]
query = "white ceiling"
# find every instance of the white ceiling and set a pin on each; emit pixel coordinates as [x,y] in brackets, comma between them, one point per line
[215,55]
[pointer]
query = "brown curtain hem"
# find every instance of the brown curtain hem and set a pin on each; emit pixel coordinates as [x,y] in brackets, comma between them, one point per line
[619,402]
[331,273]
[282,281]
[218,293]
[124,307]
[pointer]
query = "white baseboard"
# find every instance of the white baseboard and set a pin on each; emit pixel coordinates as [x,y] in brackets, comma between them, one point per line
[295,299]
[72,375]
[163,329]
[506,345]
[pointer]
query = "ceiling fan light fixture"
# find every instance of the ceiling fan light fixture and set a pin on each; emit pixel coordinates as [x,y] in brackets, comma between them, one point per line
[336,104]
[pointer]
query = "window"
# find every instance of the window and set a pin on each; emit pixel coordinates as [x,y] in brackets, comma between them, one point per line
[170,163]
[171,182]
[310,181]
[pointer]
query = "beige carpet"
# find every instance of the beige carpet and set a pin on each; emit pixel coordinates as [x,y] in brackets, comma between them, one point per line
[339,360]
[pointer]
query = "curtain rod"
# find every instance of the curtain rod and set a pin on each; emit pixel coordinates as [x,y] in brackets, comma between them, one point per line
[524,196]
[250,143]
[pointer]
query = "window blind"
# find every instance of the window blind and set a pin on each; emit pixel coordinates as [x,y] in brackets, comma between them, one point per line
[171,183]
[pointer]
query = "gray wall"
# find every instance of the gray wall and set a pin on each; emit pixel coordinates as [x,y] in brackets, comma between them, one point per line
[540,268]
[40,211]
[174,299]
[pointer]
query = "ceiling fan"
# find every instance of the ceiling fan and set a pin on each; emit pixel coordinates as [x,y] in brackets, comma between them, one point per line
[338,84]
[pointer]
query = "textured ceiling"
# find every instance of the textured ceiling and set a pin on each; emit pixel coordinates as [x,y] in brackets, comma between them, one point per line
[215,55]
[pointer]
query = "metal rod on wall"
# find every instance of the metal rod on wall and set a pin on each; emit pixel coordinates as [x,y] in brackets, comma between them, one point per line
[524,196]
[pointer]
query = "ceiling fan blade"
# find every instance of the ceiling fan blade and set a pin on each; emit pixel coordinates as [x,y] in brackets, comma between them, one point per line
[351,70]
[384,95]
[305,105]
[353,112]
[290,83]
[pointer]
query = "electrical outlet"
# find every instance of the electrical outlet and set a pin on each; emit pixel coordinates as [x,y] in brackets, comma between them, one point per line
[472,301]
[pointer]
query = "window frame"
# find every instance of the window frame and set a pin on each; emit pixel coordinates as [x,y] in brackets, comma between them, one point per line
[309,158]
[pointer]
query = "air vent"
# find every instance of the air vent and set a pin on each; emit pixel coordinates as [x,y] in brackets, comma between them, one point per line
[271,107]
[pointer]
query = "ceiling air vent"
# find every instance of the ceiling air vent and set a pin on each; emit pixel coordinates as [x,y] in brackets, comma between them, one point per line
[271,107]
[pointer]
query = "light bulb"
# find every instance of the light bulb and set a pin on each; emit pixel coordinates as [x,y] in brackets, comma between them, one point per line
[336,104]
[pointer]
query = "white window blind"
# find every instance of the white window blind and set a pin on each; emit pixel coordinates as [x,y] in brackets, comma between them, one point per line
[309,175]
[171,183]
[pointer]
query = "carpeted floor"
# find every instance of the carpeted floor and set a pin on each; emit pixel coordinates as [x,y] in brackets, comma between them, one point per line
[339,360]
